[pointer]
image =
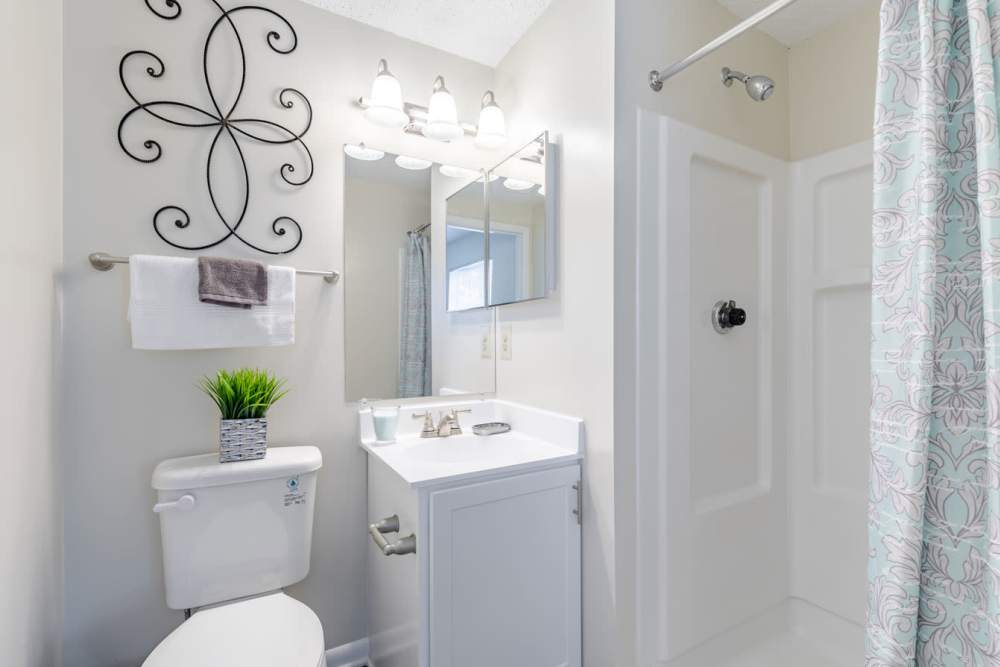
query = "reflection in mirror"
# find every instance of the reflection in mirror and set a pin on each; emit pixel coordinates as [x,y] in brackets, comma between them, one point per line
[465,243]
[399,340]
[519,222]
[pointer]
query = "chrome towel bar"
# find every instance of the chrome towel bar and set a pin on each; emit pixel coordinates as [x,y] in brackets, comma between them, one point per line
[102,261]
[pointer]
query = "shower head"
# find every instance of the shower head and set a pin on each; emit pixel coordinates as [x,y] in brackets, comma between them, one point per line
[759,87]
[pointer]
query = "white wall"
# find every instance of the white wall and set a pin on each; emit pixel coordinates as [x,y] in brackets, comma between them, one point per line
[31,174]
[126,409]
[559,77]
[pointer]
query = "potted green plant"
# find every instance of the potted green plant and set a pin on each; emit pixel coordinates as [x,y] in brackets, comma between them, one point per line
[244,397]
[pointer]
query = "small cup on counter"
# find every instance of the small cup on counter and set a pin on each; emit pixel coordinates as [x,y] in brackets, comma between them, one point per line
[386,419]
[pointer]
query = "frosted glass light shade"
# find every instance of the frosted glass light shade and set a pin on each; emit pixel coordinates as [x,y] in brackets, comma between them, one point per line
[492,130]
[412,163]
[458,172]
[385,107]
[442,116]
[362,152]
[517,185]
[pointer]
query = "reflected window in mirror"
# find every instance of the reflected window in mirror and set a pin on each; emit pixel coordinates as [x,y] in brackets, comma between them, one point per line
[465,248]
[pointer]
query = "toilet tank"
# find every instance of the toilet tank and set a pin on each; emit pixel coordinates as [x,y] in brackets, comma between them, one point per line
[230,530]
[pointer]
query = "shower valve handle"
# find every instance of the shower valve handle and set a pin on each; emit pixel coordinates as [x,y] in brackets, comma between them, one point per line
[726,316]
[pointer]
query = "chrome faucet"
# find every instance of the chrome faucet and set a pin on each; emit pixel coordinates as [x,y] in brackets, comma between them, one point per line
[448,424]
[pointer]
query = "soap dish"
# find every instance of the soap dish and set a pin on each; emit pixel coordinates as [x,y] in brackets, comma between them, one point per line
[492,428]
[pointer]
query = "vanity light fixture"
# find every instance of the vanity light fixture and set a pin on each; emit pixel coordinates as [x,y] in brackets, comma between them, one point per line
[385,108]
[517,185]
[362,152]
[439,120]
[412,163]
[492,129]
[442,116]
[458,172]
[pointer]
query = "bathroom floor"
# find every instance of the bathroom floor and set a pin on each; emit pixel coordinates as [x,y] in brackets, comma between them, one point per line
[793,634]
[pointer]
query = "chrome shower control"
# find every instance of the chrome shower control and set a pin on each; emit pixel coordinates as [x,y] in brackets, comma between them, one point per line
[726,316]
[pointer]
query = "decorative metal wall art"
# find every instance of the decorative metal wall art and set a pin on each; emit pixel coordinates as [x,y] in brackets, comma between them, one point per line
[228,128]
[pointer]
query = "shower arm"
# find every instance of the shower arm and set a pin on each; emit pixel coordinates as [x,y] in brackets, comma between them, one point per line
[657,77]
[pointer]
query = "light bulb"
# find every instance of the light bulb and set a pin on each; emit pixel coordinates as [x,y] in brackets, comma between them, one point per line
[385,107]
[442,116]
[492,130]
[362,152]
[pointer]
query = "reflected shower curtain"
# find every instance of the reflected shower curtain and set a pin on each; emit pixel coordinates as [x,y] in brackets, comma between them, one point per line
[934,517]
[415,320]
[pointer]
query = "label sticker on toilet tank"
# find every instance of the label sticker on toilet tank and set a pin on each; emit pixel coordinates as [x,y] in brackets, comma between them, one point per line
[294,495]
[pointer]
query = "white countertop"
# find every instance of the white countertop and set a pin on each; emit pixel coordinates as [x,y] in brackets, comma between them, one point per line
[538,439]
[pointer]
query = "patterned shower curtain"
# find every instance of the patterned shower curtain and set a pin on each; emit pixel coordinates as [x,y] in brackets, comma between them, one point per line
[934,512]
[415,322]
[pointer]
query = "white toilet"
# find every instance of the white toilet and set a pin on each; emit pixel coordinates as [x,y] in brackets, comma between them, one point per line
[234,534]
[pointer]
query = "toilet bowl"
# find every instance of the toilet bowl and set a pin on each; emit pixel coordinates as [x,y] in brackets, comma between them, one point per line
[271,630]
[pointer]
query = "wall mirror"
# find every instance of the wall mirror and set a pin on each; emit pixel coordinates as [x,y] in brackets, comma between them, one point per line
[400,339]
[520,215]
[500,226]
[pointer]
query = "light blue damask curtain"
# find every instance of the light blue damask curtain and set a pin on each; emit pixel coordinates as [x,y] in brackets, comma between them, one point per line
[934,514]
[415,322]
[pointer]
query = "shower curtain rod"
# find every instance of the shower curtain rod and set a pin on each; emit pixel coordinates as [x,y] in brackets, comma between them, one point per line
[102,261]
[657,77]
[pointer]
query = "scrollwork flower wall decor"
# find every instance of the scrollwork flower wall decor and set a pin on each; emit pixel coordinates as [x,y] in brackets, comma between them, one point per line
[226,126]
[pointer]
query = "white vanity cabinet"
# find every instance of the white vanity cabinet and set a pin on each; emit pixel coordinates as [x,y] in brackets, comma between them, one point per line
[495,578]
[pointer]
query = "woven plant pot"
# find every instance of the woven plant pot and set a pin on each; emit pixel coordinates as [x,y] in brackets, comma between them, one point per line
[242,439]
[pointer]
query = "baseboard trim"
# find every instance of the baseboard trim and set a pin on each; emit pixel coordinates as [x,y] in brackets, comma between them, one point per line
[354,654]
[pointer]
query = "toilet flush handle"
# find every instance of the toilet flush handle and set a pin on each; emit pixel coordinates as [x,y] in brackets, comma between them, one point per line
[184,503]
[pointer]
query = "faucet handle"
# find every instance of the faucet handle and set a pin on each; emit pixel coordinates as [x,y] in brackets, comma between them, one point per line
[428,422]
[456,426]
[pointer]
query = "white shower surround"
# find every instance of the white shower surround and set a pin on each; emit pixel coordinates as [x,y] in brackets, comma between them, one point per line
[752,536]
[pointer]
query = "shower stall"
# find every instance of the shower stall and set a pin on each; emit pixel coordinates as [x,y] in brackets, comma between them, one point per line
[752,448]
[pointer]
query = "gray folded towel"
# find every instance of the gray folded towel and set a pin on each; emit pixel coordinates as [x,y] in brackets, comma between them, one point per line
[239,283]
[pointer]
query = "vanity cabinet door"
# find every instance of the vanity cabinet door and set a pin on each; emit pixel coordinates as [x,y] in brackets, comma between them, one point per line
[505,572]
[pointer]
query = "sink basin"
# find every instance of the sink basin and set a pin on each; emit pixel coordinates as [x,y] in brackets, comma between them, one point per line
[422,461]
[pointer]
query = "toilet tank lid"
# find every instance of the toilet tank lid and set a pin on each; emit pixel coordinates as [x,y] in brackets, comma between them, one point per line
[204,470]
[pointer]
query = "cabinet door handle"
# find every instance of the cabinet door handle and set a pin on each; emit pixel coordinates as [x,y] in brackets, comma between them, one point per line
[401,547]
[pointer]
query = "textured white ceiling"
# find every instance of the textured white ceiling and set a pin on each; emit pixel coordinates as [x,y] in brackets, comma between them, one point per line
[800,21]
[480,30]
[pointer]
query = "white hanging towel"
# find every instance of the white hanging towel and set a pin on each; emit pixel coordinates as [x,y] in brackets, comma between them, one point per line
[166,314]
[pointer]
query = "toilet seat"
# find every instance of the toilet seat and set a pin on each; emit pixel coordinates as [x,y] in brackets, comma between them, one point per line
[271,630]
